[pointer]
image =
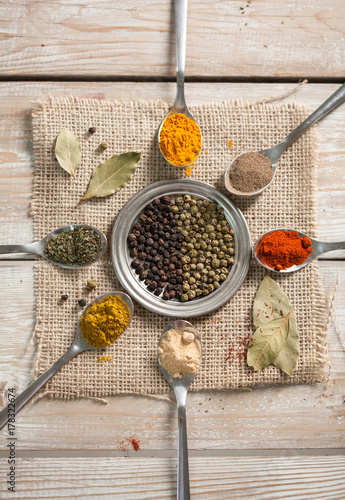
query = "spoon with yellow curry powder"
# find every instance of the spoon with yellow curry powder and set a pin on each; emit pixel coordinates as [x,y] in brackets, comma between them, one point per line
[103,321]
[179,136]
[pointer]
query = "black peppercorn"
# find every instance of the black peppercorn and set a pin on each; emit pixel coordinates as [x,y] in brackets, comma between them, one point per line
[153,252]
[154,270]
[132,237]
[166,296]
[150,275]
[173,281]
[142,255]
[155,237]
[160,265]
[153,285]
[172,293]
[156,202]
[141,239]
[64,298]
[135,263]
[161,284]
[82,302]
[164,278]
[143,275]
[133,243]
[134,252]
[158,291]
[179,280]
[139,269]
[149,241]
[155,245]
[92,130]
[146,265]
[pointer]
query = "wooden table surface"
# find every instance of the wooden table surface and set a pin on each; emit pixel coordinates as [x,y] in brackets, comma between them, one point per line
[269,443]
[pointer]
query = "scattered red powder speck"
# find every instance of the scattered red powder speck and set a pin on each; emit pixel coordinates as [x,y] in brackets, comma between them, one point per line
[123,445]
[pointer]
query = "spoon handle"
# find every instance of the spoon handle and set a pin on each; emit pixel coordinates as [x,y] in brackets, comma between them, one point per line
[181,35]
[183,490]
[324,247]
[35,248]
[332,102]
[36,385]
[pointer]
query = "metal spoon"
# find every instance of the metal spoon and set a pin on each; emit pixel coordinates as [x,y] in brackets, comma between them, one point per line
[318,249]
[180,387]
[37,248]
[273,154]
[79,345]
[180,105]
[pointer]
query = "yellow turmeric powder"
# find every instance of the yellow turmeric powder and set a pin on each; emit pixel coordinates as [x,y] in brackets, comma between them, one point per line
[180,140]
[104,321]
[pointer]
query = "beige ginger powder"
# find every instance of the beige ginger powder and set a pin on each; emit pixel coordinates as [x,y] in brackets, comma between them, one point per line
[179,352]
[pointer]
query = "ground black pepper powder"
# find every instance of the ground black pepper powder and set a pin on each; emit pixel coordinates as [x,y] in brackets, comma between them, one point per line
[251,172]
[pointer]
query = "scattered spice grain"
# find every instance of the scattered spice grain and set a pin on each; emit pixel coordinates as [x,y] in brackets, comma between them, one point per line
[250,172]
[92,130]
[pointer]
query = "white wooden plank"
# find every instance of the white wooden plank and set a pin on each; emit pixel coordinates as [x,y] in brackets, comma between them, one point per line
[259,478]
[16,159]
[266,418]
[259,38]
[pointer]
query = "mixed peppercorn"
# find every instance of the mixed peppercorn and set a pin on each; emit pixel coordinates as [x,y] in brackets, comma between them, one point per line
[182,247]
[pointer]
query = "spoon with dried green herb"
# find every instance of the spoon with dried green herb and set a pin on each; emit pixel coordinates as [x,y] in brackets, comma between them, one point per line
[71,247]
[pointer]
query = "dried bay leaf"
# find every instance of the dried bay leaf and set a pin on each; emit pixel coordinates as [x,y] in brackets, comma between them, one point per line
[276,338]
[112,175]
[68,151]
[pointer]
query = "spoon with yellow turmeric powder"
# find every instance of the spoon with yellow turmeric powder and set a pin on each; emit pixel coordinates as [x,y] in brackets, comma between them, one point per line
[102,322]
[179,136]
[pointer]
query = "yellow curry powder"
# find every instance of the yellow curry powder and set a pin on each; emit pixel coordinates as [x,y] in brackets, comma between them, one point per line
[104,321]
[180,139]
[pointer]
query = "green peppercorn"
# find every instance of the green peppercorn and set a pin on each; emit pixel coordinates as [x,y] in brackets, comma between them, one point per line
[186,268]
[185,287]
[214,243]
[211,274]
[216,278]
[222,277]
[182,217]
[204,279]
[197,246]
[216,285]
[205,291]
[174,209]
[187,197]
[224,270]
[224,263]
[193,253]
[215,263]
[191,281]
[193,266]
[209,228]
[198,292]
[185,276]
[230,261]
[191,294]
[184,297]
[210,287]
[203,245]
[200,266]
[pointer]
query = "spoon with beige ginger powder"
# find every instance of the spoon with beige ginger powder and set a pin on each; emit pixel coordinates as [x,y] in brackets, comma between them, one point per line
[179,358]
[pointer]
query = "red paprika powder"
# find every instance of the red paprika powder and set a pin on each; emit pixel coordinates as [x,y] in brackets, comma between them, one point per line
[283,249]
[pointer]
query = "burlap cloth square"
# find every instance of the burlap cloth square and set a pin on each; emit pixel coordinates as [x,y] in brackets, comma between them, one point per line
[132,126]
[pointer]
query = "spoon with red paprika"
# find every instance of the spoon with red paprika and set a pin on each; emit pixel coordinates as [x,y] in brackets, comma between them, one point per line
[287,250]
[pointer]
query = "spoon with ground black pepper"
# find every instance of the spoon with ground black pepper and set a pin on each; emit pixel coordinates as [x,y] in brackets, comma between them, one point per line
[72,247]
[251,173]
[78,346]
